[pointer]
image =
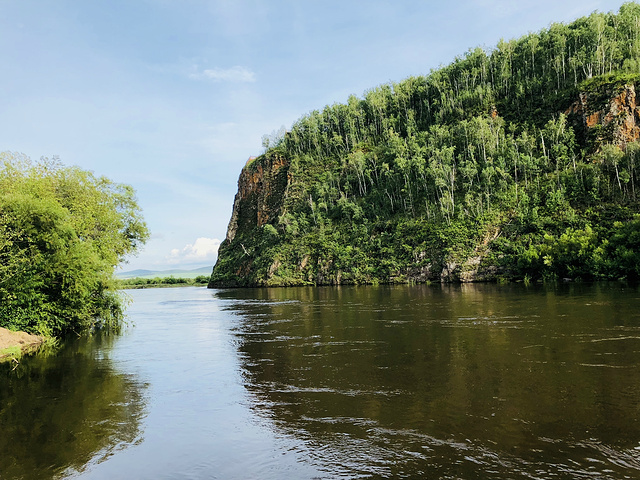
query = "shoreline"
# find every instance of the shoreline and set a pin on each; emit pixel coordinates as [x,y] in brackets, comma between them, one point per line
[161,285]
[14,344]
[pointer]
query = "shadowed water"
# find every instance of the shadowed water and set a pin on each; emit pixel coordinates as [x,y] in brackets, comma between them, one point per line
[58,412]
[471,381]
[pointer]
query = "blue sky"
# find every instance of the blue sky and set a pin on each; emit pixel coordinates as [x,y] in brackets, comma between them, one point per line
[173,96]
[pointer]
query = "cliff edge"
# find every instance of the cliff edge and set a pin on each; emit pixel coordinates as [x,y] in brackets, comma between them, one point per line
[262,188]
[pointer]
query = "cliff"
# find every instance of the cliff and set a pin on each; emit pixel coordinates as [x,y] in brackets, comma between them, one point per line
[262,188]
[247,257]
[496,167]
[608,111]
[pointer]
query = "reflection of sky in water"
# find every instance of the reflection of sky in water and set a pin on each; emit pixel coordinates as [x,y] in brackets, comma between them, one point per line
[198,423]
[458,381]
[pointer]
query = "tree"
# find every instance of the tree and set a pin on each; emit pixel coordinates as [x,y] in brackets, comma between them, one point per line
[62,233]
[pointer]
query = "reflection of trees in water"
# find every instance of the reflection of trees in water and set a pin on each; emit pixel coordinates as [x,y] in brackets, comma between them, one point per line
[419,378]
[59,412]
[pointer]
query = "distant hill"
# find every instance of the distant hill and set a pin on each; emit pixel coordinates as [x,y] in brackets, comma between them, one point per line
[164,273]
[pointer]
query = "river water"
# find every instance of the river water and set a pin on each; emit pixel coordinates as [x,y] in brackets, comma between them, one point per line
[452,381]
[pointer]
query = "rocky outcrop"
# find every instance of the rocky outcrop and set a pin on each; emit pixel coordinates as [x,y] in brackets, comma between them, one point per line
[258,203]
[624,113]
[613,113]
[261,188]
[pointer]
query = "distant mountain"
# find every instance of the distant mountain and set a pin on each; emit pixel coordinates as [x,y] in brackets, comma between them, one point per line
[164,273]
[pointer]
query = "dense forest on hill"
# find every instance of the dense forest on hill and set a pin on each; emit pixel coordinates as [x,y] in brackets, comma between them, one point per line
[521,162]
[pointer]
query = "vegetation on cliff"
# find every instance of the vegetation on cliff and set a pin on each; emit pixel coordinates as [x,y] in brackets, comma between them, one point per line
[516,163]
[62,233]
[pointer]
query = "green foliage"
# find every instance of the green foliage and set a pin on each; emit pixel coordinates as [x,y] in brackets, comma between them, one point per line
[62,233]
[170,281]
[485,157]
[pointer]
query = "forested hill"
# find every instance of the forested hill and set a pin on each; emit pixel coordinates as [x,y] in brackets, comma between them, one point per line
[521,162]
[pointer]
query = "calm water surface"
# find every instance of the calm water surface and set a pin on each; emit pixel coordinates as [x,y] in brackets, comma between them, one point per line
[460,382]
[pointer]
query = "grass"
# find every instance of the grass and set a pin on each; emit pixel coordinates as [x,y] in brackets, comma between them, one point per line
[158,282]
[16,352]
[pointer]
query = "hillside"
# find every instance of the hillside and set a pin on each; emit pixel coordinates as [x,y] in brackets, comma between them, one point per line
[516,163]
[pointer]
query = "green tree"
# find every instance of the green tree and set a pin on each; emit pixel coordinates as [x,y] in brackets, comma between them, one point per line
[62,233]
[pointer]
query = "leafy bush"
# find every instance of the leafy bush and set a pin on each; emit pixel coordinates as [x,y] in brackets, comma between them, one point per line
[62,233]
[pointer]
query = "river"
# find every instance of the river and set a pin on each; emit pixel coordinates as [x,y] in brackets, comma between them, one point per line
[443,381]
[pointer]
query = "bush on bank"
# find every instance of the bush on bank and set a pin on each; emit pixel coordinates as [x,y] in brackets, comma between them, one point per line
[62,233]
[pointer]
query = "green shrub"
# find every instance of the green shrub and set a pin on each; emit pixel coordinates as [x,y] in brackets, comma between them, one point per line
[62,233]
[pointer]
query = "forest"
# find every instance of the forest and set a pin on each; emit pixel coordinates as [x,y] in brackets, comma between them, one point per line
[518,162]
[63,231]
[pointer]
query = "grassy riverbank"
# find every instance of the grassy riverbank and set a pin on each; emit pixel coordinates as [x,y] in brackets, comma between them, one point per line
[164,282]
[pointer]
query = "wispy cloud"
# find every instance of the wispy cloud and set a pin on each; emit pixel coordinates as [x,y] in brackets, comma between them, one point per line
[202,250]
[237,74]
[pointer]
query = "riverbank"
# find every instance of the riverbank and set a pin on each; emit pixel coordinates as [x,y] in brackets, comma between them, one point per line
[13,344]
[158,282]
[161,285]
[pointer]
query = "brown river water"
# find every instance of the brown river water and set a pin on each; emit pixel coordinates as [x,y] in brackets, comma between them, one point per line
[442,382]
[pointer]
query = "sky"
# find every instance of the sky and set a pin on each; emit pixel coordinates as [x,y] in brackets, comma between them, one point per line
[173,96]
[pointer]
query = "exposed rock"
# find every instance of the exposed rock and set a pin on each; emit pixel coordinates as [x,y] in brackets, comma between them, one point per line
[450,272]
[260,193]
[620,114]
[469,271]
[475,269]
[624,110]
[422,274]
[274,266]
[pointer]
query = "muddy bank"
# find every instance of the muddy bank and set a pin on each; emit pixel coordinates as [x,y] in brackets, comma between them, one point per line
[10,341]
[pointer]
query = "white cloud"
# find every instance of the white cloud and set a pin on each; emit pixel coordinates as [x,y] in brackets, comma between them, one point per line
[202,250]
[237,74]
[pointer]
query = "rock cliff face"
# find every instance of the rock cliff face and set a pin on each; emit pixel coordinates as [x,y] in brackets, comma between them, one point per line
[261,192]
[261,188]
[612,113]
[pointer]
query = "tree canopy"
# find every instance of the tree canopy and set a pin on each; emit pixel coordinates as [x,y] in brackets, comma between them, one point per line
[62,233]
